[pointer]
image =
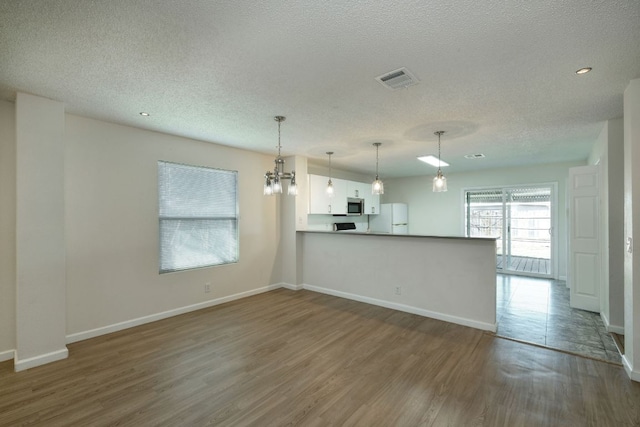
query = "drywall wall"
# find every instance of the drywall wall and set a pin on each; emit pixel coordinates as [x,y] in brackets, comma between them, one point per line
[447,279]
[112,226]
[631,358]
[40,232]
[7,230]
[616,224]
[608,154]
[442,214]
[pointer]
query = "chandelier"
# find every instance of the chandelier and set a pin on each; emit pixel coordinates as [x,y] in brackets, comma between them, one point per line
[272,183]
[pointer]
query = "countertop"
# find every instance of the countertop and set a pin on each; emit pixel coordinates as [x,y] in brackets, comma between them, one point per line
[363,233]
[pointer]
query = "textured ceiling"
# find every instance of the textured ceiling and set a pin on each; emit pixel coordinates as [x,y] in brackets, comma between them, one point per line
[498,77]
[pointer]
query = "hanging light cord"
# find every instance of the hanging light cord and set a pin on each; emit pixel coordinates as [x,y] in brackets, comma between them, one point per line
[440,132]
[377,147]
[279,122]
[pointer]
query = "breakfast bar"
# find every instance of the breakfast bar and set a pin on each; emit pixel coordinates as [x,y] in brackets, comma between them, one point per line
[447,278]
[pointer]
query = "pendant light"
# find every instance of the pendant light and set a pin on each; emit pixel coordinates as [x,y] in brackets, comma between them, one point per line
[330,184]
[273,179]
[377,187]
[439,182]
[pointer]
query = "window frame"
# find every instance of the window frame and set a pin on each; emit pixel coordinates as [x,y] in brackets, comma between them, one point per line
[235,218]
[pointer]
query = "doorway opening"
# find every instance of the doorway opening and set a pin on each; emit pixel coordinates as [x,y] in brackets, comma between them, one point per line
[521,219]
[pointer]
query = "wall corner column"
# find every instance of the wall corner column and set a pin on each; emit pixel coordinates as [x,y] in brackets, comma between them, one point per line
[40,232]
[631,358]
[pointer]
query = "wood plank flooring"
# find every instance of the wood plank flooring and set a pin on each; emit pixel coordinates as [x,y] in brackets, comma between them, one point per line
[303,358]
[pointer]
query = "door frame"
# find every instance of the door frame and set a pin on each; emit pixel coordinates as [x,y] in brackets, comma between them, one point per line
[554,221]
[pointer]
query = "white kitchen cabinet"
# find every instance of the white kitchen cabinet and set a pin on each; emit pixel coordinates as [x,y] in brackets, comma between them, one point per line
[371,203]
[320,202]
[358,190]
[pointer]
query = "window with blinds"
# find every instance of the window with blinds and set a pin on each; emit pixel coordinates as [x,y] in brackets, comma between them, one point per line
[198,216]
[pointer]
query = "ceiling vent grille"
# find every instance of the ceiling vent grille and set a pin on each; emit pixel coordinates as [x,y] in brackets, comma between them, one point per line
[398,79]
[474,156]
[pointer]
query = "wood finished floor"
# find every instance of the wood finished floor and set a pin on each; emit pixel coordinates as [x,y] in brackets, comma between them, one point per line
[303,358]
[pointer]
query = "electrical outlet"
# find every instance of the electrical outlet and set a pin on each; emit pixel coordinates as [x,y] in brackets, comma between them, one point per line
[207,288]
[398,290]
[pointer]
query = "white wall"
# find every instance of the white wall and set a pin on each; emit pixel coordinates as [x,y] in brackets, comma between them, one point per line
[608,154]
[443,278]
[631,358]
[40,245]
[442,214]
[7,230]
[112,225]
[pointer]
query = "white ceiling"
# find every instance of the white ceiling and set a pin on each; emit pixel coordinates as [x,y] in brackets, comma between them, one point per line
[498,77]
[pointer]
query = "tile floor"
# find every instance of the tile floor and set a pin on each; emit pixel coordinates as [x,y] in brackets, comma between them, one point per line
[537,311]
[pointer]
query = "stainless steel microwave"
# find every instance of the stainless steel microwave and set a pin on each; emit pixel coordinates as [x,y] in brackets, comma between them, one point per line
[355,206]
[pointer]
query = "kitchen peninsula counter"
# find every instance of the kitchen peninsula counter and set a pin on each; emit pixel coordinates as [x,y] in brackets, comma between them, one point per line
[444,277]
[369,233]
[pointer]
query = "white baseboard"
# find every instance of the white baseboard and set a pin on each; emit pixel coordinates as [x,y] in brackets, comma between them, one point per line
[492,327]
[291,287]
[634,375]
[611,328]
[92,333]
[32,362]
[7,355]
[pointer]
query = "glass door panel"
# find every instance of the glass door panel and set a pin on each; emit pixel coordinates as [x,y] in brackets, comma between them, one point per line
[485,218]
[521,221]
[529,229]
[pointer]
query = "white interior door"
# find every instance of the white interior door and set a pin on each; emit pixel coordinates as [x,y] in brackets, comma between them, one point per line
[584,235]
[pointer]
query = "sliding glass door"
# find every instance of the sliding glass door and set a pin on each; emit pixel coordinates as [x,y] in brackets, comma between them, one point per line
[521,221]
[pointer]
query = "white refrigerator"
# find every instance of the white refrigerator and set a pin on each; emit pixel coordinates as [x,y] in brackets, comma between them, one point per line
[392,219]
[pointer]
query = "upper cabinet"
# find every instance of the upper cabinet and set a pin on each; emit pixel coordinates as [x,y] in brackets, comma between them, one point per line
[371,203]
[357,190]
[321,203]
[319,200]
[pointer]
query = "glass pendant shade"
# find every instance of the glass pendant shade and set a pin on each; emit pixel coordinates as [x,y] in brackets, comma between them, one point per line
[377,187]
[439,183]
[292,190]
[330,188]
[330,184]
[268,189]
[277,186]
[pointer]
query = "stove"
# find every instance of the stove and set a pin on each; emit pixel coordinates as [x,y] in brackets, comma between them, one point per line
[344,226]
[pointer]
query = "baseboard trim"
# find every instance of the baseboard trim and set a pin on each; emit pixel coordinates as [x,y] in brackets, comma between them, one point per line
[491,327]
[92,333]
[611,328]
[43,359]
[291,287]
[634,375]
[7,355]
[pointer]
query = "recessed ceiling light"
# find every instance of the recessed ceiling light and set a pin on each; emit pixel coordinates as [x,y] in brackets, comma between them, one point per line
[584,70]
[474,156]
[144,114]
[433,161]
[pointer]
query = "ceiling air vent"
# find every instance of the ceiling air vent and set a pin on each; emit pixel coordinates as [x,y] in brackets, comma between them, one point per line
[474,156]
[398,79]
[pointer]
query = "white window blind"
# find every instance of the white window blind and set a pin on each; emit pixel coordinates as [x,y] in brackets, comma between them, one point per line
[198,213]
